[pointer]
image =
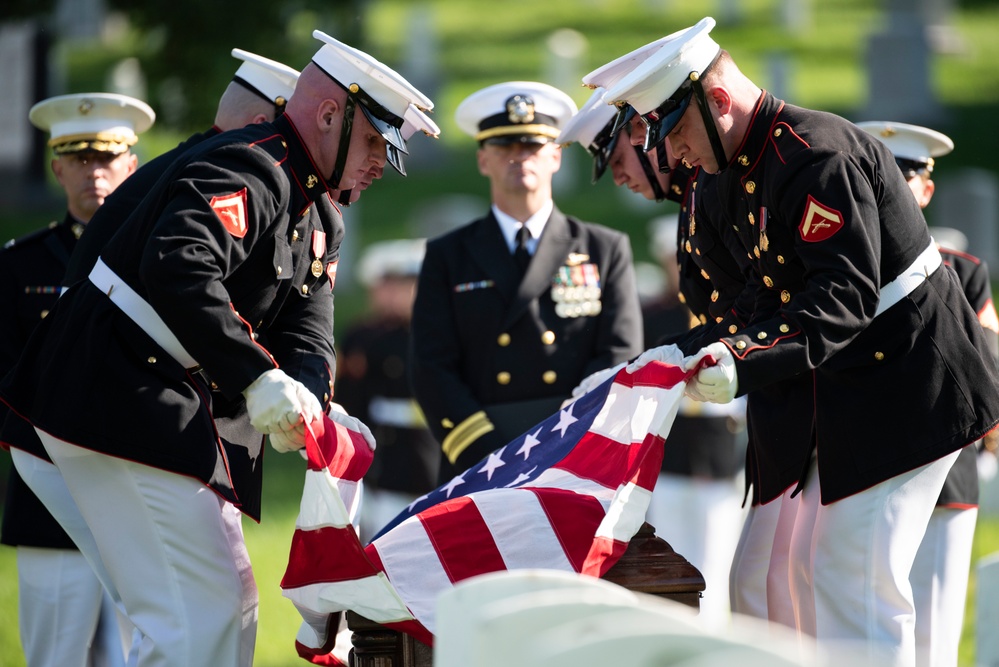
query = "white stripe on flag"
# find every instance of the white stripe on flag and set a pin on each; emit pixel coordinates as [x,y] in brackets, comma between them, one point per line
[372,597]
[515,518]
[556,478]
[318,508]
[630,413]
[413,567]
[626,514]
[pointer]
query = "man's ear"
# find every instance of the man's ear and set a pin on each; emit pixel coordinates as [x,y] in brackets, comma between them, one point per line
[326,115]
[721,98]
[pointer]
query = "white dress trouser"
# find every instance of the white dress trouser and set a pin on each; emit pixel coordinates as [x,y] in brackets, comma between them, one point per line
[851,560]
[174,554]
[939,581]
[65,616]
[759,580]
[700,519]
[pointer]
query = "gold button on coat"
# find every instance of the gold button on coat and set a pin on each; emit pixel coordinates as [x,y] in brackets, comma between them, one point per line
[503,340]
[503,377]
[548,337]
[151,360]
[768,281]
[447,423]
[740,345]
[714,296]
[750,187]
[549,377]
[762,335]
[785,296]
[305,289]
[732,329]
[784,328]
[879,356]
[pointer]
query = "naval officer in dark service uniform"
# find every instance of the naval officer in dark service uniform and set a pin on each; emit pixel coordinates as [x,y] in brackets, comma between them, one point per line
[515,308]
[63,614]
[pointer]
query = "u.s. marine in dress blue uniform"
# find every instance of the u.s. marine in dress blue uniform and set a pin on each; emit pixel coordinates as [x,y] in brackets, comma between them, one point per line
[893,349]
[89,348]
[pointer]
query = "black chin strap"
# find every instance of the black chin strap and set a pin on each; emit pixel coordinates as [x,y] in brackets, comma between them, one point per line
[643,159]
[341,152]
[709,122]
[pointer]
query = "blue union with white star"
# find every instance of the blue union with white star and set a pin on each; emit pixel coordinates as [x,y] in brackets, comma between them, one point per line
[520,461]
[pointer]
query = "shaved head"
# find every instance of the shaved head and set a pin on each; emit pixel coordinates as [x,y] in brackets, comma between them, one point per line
[239,107]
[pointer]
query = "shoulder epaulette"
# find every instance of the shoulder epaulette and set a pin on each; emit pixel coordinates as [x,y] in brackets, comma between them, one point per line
[31,236]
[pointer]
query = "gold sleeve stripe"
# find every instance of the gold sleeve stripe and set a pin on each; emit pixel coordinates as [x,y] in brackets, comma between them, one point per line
[465,433]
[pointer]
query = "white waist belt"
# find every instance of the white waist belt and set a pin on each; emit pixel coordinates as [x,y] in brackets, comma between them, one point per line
[928,261]
[398,412]
[139,312]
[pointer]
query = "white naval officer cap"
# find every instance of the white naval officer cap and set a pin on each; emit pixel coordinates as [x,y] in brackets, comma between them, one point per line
[382,93]
[271,80]
[914,147]
[103,122]
[400,258]
[515,112]
[660,85]
[592,127]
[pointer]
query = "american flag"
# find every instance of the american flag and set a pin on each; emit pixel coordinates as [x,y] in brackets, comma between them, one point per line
[566,495]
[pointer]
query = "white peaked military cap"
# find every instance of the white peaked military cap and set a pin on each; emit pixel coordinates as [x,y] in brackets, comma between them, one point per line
[666,74]
[586,125]
[910,143]
[384,259]
[384,95]
[608,75]
[515,111]
[414,120]
[271,80]
[104,122]
[593,128]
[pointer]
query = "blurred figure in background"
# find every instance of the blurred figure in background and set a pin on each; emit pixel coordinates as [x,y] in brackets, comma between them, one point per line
[65,617]
[373,385]
[939,574]
[696,504]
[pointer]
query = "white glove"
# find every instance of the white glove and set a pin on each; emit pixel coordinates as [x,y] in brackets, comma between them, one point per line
[289,441]
[276,403]
[338,415]
[714,384]
[594,380]
[668,354]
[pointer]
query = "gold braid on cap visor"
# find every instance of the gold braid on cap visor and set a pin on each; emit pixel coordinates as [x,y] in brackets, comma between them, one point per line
[102,142]
[506,130]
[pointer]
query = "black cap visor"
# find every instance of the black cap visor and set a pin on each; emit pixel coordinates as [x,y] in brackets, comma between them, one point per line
[660,121]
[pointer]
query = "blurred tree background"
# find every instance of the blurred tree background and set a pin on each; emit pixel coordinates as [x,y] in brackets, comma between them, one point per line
[850,57]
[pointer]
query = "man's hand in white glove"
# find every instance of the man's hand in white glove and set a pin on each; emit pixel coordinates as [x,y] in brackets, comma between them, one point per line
[592,381]
[668,354]
[277,403]
[714,384]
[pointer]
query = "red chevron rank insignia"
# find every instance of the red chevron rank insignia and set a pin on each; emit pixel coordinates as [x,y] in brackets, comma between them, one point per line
[231,210]
[819,222]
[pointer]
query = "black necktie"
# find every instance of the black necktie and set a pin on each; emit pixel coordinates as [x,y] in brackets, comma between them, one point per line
[521,256]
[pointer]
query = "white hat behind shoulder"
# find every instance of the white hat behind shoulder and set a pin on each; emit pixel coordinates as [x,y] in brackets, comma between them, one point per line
[909,142]
[271,80]
[104,122]
[515,111]
[396,258]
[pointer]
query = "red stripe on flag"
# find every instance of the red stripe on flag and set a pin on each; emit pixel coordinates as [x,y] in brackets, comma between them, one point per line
[603,460]
[334,447]
[648,472]
[654,374]
[605,552]
[414,629]
[573,518]
[462,539]
[326,555]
